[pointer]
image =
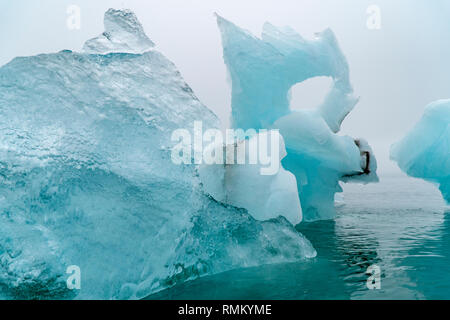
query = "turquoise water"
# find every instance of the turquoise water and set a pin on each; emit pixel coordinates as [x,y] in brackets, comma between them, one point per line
[400,224]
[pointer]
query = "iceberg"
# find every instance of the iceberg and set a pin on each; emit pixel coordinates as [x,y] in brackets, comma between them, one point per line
[425,151]
[86,178]
[262,72]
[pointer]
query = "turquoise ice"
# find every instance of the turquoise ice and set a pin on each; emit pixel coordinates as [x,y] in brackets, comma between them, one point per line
[425,151]
[86,177]
[262,72]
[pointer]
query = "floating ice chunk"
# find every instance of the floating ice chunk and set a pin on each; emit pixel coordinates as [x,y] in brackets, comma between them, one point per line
[123,33]
[86,179]
[262,73]
[242,185]
[425,151]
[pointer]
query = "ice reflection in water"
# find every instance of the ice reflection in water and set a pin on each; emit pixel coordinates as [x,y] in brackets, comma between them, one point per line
[401,224]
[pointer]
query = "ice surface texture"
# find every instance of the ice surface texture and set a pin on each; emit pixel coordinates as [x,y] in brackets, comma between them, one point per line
[86,177]
[262,72]
[425,151]
[123,33]
[264,196]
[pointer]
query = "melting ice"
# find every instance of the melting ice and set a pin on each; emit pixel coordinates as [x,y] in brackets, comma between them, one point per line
[262,71]
[86,177]
[425,151]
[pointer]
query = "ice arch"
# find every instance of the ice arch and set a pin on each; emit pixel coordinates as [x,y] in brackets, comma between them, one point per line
[262,72]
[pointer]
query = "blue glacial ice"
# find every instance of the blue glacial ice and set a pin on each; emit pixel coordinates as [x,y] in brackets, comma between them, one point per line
[262,72]
[86,177]
[270,194]
[425,151]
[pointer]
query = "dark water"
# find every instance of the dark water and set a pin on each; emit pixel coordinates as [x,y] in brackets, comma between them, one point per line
[400,225]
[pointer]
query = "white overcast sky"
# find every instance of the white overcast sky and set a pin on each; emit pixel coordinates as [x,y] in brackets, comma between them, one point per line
[396,70]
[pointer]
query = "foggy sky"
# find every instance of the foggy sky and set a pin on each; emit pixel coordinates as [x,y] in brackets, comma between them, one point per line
[396,70]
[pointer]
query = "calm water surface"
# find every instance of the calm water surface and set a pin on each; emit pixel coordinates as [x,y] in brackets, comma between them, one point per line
[401,224]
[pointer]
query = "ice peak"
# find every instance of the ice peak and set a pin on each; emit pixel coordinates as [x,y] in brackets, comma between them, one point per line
[123,33]
[278,60]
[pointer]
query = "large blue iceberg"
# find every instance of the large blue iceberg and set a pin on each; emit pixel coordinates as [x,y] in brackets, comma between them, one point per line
[262,71]
[86,177]
[425,151]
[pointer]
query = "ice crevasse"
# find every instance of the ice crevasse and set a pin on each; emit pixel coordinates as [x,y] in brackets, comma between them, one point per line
[86,177]
[425,151]
[262,72]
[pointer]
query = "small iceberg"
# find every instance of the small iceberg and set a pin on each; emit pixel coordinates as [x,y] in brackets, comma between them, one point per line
[262,71]
[425,151]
